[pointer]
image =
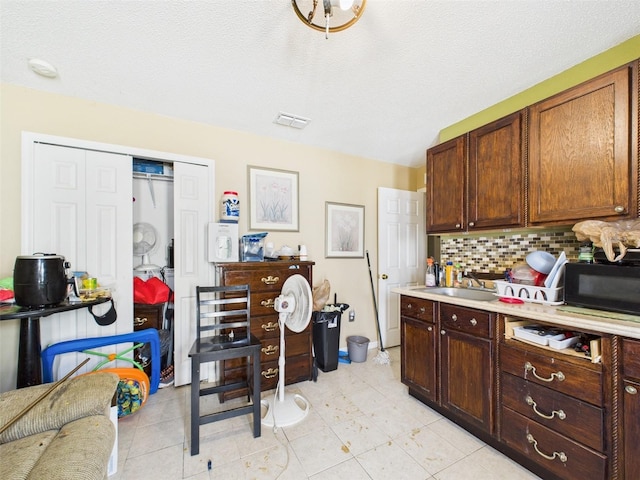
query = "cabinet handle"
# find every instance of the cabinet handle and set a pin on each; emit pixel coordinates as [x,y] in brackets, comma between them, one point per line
[430,329]
[534,406]
[271,373]
[618,209]
[561,455]
[528,367]
[631,390]
[269,327]
[473,322]
[454,317]
[422,309]
[138,321]
[458,225]
[270,280]
[270,350]
[442,332]
[409,306]
[268,303]
[472,224]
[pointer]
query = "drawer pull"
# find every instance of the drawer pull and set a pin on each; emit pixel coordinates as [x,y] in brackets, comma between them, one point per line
[534,406]
[429,329]
[269,327]
[454,317]
[409,306]
[422,309]
[270,350]
[528,367]
[271,373]
[269,303]
[630,389]
[138,321]
[473,322]
[270,280]
[561,455]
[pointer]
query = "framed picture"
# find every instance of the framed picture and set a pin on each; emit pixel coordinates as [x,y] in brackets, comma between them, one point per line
[344,230]
[273,199]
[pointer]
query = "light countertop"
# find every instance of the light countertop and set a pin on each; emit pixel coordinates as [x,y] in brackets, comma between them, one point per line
[602,322]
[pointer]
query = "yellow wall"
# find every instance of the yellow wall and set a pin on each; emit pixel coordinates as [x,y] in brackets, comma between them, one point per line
[601,63]
[323,176]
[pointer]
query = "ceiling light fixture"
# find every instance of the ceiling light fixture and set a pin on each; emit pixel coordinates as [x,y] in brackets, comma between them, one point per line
[327,18]
[43,68]
[293,121]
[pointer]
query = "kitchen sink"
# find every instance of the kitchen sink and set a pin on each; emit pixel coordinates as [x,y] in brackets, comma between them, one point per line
[467,293]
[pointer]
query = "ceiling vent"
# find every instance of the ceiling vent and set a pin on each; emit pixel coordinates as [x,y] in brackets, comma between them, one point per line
[293,121]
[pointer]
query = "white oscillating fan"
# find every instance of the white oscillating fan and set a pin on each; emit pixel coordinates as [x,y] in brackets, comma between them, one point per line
[145,240]
[294,310]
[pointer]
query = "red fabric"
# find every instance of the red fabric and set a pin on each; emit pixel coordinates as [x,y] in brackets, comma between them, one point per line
[5,294]
[152,291]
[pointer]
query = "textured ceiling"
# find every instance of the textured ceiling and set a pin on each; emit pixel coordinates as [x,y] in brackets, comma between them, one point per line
[382,89]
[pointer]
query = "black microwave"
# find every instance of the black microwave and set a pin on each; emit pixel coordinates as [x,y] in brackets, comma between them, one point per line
[611,287]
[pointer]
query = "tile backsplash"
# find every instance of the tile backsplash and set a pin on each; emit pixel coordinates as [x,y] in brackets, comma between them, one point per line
[493,253]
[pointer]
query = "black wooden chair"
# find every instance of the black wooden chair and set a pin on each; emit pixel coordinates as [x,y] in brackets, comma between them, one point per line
[223,333]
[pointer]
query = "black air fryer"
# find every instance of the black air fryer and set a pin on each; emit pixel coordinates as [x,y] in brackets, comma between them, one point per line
[40,280]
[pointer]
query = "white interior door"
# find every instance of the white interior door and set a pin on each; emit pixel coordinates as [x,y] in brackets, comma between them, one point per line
[192,198]
[81,208]
[401,254]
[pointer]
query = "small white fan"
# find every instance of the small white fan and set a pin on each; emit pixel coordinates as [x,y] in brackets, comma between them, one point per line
[145,241]
[294,310]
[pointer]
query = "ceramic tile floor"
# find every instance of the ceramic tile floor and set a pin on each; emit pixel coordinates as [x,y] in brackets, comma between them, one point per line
[362,425]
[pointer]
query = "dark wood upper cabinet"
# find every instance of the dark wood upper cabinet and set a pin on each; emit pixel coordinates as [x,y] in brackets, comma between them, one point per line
[446,186]
[581,165]
[496,175]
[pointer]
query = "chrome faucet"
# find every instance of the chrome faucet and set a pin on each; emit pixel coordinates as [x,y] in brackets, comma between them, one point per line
[471,277]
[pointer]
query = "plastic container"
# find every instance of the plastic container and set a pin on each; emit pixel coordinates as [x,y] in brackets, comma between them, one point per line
[230,207]
[448,275]
[530,293]
[357,347]
[252,247]
[326,337]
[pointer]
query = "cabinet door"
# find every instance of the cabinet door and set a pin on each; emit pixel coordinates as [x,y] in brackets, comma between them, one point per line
[580,163]
[496,187]
[631,429]
[446,186]
[418,356]
[467,372]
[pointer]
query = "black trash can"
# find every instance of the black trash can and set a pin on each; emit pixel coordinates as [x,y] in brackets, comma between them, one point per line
[326,336]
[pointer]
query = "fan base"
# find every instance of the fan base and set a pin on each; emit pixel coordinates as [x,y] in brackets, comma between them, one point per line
[293,409]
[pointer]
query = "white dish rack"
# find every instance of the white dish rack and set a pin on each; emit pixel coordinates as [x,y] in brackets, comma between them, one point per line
[529,293]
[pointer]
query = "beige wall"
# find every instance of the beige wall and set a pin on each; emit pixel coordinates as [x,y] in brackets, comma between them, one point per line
[323,176]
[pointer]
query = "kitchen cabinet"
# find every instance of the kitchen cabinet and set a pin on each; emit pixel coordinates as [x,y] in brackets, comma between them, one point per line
[631,407]
[418,339]
[467,365]
[265,280]
[581,164]
[476,181]
[446,186]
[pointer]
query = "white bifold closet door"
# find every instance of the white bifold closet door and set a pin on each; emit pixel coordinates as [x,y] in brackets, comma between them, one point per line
[81,209]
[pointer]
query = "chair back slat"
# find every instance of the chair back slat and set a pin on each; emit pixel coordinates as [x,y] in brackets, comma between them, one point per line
[224,312]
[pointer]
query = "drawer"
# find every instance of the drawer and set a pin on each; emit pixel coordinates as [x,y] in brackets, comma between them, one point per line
[631,358]
[265,326]
[262,303]
[466,320]
[555,373]
[418,308]
[268,280]
[296,370]
[556,453]
[569,416]
[147,316]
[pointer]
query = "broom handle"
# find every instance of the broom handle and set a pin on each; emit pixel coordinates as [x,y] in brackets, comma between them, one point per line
[42,397]
[375,303]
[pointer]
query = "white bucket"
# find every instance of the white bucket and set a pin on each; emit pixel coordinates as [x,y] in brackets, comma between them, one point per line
[357,347]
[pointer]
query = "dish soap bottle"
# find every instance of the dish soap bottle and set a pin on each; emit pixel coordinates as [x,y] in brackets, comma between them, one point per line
[430,277]
[448,274]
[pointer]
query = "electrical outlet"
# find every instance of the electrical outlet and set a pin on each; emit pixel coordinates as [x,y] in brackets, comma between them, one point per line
[352,315]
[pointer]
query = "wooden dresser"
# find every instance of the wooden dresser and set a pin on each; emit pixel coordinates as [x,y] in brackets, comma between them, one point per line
[266,280]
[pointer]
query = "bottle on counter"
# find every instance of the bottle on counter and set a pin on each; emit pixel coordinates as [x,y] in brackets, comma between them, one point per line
[430,277]
[458,275]
[448,274]
[438,273]
[585,253]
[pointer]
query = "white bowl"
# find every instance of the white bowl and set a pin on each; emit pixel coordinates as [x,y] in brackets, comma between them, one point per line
[541,261]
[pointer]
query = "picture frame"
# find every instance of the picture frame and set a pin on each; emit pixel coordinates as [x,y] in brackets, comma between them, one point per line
[273,199]
[344,230]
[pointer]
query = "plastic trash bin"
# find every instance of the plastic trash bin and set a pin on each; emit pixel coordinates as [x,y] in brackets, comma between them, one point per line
[326,336]
[357,347]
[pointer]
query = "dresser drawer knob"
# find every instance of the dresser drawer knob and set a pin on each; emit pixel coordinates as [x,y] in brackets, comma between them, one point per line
[423,310]
[454,317]
[270,350]
[409,306]
[269,327]
[271,373]
[630,389]
[473,322]
[555,375]
[561,455]
[270,280]
[534,406]
[269,303]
